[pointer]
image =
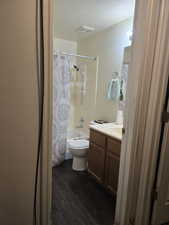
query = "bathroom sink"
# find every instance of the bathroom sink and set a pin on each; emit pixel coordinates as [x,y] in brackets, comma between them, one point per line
[110,129]
[114,130]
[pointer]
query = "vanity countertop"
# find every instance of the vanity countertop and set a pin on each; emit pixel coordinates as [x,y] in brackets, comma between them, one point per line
[111,129]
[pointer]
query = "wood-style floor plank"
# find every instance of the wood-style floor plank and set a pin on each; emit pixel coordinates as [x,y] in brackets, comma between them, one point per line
[78,199]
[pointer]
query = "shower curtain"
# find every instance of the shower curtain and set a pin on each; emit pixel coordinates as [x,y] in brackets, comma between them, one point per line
[61,107]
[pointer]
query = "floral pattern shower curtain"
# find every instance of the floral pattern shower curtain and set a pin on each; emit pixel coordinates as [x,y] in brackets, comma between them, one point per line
[61,107]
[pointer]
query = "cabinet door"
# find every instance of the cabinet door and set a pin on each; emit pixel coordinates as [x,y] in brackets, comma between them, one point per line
[98,138]
[96,158]
[112,172]
[114,146]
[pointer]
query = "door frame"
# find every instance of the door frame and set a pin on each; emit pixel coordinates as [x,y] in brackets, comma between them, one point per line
[45,183]
[160,76]
[146,91]
[149,74]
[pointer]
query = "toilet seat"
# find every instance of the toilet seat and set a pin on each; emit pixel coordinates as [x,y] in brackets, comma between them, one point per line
[78,144]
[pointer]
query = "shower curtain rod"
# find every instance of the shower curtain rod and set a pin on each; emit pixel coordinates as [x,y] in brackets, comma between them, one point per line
[80,56]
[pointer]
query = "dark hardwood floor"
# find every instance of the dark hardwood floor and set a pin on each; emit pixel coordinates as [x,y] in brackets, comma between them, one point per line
[78,200]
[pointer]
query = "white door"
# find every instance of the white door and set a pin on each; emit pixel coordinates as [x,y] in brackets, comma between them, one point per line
[161,204]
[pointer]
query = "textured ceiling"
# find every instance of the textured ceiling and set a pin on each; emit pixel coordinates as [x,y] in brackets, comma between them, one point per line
[100,14]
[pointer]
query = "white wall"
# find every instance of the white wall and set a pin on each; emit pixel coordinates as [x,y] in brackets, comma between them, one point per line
[109,46]
[65,45]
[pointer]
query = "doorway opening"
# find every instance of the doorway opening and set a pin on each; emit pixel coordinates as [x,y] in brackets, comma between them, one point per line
[92,47]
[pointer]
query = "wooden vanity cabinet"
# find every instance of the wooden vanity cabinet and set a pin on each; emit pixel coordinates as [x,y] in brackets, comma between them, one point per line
[112,164]
[96,162]
[104,160]
[96,155]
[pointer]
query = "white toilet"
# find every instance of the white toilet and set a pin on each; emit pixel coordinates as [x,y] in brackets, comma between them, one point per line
[79,149]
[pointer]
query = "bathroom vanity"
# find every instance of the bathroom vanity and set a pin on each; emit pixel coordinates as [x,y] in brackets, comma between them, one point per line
[104,155]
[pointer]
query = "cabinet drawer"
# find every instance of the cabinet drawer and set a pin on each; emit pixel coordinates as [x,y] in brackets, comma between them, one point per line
[97,138]
[114,146]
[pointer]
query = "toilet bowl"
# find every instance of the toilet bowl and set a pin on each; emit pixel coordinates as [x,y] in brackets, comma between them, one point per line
[79,149]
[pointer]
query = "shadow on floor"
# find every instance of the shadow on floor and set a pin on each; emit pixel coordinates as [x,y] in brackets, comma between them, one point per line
[78,199]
